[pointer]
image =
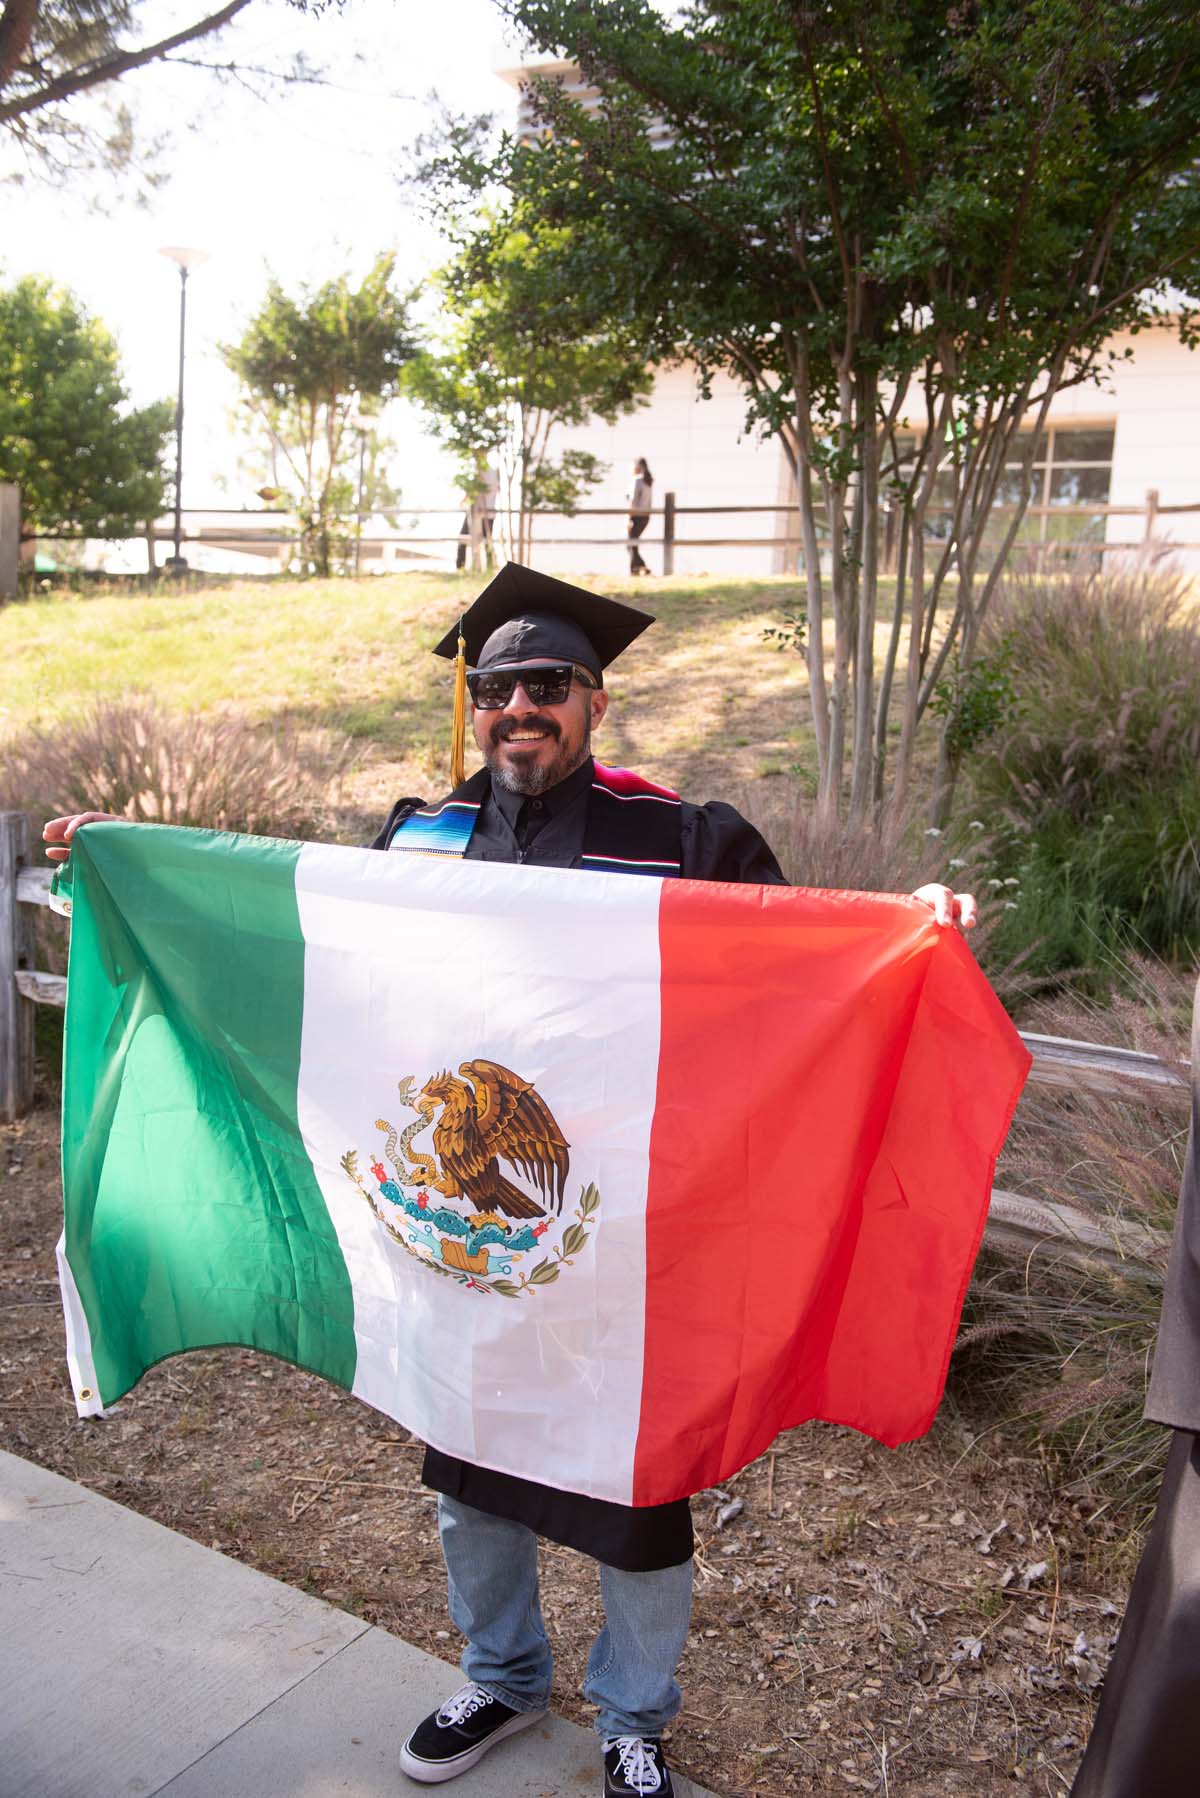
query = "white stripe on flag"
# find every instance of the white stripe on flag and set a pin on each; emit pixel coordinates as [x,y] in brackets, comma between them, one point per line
[79,1339]
[414,966]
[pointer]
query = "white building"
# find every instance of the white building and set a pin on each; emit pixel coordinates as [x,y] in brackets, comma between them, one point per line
[1135,434]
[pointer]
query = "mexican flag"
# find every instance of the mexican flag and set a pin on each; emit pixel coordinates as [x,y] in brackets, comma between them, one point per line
[598,1180]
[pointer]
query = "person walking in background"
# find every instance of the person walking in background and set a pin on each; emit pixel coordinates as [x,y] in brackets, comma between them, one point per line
[640,502]
[475,532]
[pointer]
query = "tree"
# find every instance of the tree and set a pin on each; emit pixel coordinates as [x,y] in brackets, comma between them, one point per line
[517,362]
[54,51]
[316,369]
[867,214]
[86,462]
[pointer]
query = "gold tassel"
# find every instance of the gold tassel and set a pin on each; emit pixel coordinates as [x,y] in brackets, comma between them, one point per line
[458,732]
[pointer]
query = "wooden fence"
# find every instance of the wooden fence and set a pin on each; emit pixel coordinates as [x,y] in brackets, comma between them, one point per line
[670,530]
[1017,1224]
[272,533]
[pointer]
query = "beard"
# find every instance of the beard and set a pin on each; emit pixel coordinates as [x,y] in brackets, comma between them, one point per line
[521,772]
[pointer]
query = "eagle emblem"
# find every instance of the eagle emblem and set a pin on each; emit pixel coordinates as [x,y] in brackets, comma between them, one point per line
[452,1207]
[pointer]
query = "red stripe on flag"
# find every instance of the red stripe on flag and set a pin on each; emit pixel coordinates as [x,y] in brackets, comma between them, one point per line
[835,1080]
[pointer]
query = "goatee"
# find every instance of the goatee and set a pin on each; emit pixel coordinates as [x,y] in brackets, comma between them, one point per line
[522,773]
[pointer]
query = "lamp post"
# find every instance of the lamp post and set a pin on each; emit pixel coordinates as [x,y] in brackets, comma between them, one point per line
[184,260]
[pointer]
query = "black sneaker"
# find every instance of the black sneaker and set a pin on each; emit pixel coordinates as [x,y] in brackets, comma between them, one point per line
[634,1768]
[459,1733]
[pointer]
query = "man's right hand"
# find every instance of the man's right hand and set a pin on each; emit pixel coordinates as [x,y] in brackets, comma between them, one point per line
[57,833]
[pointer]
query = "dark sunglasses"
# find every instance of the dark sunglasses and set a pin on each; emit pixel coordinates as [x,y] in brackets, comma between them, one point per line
[548,684]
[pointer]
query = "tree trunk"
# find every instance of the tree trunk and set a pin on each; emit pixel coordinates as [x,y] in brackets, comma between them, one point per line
[862,773]
[945,779]
[813,585]
[829,792]
[883,705]
[17,21]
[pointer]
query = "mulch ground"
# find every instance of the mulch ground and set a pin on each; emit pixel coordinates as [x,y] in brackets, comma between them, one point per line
[931,1620]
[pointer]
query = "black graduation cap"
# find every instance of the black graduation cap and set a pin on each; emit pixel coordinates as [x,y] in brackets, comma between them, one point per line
[524,616]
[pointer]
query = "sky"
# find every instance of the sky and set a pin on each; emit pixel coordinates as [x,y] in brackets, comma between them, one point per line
[303,184]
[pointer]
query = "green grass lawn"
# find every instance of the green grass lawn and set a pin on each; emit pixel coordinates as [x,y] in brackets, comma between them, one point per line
[702,701]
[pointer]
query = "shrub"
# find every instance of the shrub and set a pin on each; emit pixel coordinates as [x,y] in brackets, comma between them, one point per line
[1094,786]
[141,762]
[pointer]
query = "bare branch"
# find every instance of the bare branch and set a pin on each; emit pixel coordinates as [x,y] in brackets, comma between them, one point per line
[109,68]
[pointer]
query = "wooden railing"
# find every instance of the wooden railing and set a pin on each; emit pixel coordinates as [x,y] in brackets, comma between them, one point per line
[270,531]
[781,532]
[1019,1224]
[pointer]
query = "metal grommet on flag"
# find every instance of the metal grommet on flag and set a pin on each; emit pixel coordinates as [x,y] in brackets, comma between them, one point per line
[85,1393]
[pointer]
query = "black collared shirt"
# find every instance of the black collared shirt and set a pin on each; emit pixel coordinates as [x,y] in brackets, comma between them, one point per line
[544,830]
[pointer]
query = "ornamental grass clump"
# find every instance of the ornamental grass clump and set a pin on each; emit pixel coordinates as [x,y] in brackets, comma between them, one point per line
[1093,786]
[139,761]
[1056,1347]
[815,849]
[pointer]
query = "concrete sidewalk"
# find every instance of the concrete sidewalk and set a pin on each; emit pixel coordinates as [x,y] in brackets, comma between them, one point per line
[135,1662]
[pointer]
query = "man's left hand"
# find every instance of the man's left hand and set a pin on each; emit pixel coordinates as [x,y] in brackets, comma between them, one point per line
[949,907]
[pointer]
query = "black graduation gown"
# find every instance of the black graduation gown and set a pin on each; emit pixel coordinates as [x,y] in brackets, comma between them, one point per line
[717,843]
[1143,1741]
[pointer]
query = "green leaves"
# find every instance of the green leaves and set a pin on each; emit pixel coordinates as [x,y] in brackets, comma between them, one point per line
[86,462]
[327,343]
[862,178]
[791,633]
[877,220]
[315,368]
[977,700]
[522,352]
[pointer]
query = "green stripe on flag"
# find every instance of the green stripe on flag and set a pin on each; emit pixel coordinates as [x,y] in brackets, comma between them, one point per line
[193,1215]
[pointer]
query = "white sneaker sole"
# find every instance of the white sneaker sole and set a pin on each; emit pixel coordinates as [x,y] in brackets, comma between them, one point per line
[432,1773]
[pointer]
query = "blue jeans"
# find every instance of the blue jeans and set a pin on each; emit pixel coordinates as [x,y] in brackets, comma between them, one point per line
[493,1578]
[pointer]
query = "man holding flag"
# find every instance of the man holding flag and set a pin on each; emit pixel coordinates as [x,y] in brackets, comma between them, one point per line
[537,649]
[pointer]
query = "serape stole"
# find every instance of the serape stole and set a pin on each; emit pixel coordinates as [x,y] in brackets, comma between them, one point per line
[633,826]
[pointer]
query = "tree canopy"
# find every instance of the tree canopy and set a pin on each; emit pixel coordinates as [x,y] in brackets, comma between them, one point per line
[517,362]
[52,52]
[87,463]
[903,228]
[316,368]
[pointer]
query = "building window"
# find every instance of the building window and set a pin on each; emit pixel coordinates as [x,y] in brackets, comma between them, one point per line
[1076,471]
[1073,470]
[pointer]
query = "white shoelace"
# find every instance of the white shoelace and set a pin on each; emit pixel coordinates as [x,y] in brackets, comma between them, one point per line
[464,1704]
[637,1763]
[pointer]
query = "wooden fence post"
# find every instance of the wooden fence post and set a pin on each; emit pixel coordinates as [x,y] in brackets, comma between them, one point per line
[16,951]
[1151,516]
[890,513]
[10,538]
[668,533]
